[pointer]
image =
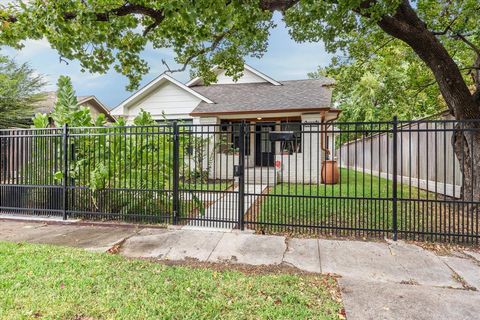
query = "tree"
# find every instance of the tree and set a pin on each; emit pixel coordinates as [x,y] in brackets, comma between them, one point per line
[213,32]
[102,158]
[19,92]
[391,81]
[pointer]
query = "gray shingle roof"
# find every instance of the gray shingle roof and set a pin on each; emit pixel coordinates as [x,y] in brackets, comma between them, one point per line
[257,97]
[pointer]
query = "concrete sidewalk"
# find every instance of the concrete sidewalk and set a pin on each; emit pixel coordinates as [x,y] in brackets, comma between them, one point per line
[379,280]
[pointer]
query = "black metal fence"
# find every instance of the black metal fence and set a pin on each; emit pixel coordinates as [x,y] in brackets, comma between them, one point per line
[378,179]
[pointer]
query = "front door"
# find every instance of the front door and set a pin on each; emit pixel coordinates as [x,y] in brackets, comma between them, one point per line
[264,148]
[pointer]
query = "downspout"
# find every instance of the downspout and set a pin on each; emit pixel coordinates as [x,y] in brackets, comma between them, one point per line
[323,136]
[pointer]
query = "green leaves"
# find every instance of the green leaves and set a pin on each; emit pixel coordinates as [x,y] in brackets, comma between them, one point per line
[109,33]
[19,93]
[58,176]
[66,109]
[144,119]
[41,121]
[112,33]
[393,81]
[98,177]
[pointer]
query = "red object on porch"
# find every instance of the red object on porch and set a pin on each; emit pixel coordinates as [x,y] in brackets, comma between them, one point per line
[278,164]
[330,173]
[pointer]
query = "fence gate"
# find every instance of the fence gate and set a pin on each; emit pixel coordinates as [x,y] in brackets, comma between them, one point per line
[26,185]
[209,175]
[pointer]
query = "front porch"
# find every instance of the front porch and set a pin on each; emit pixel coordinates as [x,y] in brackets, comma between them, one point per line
[287,148]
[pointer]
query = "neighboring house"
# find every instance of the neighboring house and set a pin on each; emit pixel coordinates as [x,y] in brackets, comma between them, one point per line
[264,103]
[96,107]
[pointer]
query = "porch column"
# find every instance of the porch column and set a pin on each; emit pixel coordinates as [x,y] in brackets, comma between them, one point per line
[311,150]
[207,128]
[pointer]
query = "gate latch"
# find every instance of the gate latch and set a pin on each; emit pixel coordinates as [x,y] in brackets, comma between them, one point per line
[237,170]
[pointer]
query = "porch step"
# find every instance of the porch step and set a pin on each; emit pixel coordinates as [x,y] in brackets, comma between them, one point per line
[261,175]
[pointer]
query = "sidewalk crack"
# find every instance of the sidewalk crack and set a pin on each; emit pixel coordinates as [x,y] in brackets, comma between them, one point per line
[287,246]
[319,256]
[216,245]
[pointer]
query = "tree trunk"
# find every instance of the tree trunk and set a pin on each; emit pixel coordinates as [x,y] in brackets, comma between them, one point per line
[466,144]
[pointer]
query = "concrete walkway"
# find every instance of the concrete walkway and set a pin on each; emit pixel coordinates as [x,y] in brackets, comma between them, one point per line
[223,213]
[379,280]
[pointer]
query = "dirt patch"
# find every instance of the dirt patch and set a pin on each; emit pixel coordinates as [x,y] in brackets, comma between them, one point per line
[327,236]
[283,268]
[445,249]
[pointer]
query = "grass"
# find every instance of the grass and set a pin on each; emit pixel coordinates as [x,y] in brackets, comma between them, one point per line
[351,208]
[41,281]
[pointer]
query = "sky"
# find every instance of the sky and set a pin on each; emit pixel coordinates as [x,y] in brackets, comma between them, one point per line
[284,60]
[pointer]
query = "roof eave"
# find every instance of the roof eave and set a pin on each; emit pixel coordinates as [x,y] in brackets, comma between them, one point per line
[305,110]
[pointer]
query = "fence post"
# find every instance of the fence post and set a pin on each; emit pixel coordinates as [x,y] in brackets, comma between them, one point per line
[176,172]
[65,171]
[241,177]
[394,180]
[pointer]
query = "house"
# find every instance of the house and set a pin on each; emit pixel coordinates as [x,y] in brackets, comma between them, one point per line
[96,107]
[265,104]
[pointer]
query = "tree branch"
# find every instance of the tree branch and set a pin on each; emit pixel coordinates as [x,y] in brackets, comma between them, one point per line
[277,5]
[447,28]
[124,10]
[467,42]
[216,42]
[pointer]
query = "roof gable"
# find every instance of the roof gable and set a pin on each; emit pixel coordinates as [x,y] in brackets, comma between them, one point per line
[250,75]
[151,87]
[47,105]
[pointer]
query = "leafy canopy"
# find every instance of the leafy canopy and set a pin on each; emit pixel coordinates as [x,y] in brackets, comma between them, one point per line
[203,33]
[19,92]
[391,82]
[112,32]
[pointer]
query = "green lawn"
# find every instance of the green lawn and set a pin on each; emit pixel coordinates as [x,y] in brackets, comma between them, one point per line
[41,281]
[350,209]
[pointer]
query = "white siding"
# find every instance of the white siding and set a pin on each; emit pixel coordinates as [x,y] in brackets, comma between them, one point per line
[248,77]
[168,98]
[117,111]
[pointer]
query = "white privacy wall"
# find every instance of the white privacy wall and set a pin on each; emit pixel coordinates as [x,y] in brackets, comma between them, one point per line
[425,157]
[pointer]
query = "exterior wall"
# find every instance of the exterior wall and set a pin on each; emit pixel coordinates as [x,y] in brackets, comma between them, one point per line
[305,166]
[219,165]
[302,167]
[167,100]
[94,110]
[248,77]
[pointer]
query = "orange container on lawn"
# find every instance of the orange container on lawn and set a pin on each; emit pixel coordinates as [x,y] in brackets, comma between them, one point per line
[330,172]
